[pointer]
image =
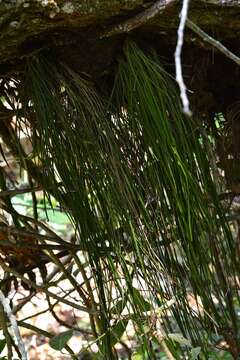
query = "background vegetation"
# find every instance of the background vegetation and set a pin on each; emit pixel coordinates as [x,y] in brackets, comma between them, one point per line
[150,252]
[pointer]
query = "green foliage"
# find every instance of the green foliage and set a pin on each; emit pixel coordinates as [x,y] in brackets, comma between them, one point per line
[116,332]
[2,345]
[59,341]
[135,178]
[139,301]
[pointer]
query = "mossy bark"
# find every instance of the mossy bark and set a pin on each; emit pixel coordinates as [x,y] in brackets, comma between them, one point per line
[72,30]
[28,25]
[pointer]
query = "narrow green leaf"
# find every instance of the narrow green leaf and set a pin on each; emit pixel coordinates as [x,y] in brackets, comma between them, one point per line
[59,341]
[2,344]
[117,331]
[139,301]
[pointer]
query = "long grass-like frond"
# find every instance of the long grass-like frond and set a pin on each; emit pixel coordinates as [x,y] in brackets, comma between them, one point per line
[133,174]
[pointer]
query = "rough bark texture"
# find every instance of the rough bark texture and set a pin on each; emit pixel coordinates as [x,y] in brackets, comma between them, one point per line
[71,27]
[72,31]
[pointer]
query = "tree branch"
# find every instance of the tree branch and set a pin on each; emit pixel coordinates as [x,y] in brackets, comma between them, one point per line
[14,192]
[159,6]
[225,3]
[215,43]
[138,20]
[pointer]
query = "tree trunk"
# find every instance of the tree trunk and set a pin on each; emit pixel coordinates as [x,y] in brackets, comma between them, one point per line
[89,36]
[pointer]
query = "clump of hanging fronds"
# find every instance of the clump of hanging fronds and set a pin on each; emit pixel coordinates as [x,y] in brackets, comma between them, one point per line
[133,175]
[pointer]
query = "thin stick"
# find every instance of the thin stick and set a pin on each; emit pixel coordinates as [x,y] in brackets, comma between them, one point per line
[222,3]
[14,325]
[215,43]
[9,230]
[178,63]
[55,270]
[43,289]
[15,192]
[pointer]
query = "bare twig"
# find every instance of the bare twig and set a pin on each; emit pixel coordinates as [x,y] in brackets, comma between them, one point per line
[138,20]
[93,319]
[215,43]
[70,278]
[64,323]
[15,192]
[9,230]
[38,223]
[31,246]
[13,322]
[55,270]
[23,302]
[178,63]
[42,288]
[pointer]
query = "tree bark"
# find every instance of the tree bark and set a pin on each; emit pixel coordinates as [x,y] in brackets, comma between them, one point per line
[29,25]
[89,36]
